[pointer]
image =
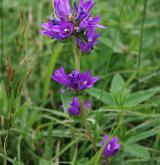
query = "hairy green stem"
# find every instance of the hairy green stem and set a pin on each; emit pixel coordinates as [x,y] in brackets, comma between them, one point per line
[76,54]
[83,112]
[88,130]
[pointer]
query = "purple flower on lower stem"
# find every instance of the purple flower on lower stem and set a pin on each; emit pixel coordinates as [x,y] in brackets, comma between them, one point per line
[111,146]
[74,108]
[75,81]
[76,20]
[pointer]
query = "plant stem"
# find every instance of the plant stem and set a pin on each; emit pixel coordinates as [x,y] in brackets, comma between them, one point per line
[83,112]
[89,133]
[76,54]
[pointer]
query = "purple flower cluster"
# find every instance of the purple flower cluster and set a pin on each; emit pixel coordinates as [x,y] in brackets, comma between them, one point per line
[74,108]
[111,146]
[75,81]
[76,20]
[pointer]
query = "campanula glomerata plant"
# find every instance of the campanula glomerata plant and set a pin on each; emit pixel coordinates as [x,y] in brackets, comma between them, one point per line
[73,92]
[75,23]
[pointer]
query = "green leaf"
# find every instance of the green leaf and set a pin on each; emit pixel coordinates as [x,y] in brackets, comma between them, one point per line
[96,158]
[117,83]
[48,150]
[66,99]
[45,162]
[15,162]
[82,161]
[144,135]
[101,95]
[49,71]
[67,147]
[137,151]
[139,97]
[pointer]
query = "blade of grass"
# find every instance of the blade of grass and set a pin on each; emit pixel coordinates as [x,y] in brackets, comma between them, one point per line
[141,39]
[50,69]
[67,147]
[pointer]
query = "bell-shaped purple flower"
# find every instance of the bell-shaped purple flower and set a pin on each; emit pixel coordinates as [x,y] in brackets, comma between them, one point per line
[74,108]
[83,9]
[59,30]
[86,6]
[90,22]
[75,80]
[61,77]
[111,146]
[91,36]
[62,8]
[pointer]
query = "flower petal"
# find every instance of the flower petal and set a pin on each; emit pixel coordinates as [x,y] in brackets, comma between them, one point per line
[61,77]
[62,8]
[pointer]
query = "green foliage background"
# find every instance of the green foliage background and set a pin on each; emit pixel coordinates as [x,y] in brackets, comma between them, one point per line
[126,101]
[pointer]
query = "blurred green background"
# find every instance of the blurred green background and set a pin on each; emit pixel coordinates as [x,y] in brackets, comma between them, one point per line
[128,55]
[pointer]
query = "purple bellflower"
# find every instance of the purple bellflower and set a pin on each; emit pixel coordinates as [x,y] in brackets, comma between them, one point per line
[76,20]
[74,108]
[91,37]
[75,81]
[59,30]
[111,148]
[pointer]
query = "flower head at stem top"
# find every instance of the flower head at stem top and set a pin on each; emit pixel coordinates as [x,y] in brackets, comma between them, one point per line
[75,81]
[76,20]
[111,146]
